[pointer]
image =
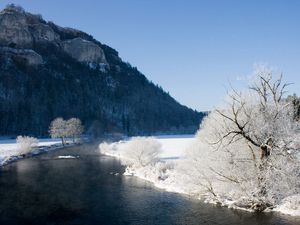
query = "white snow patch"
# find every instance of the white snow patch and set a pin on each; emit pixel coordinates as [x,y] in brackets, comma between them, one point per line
[173,147]
[67,157]
[290,205]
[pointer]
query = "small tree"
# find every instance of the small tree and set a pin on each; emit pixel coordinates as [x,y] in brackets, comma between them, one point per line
[74,128]
[25,144]
[58,129]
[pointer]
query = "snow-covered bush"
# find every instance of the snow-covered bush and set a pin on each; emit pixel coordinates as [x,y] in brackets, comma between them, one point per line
[247,150]
[109,149]
[140,155]
[141,152]
[104,148]
[161,170]
[25,144]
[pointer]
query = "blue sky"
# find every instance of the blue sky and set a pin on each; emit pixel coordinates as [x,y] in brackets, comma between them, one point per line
[193,49]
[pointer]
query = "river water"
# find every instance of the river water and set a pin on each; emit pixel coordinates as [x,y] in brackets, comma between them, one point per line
[90,190]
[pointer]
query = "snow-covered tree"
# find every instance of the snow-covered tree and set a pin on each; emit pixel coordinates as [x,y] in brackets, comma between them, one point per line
[58,129]
[247,150]
[25,144]
[74,128]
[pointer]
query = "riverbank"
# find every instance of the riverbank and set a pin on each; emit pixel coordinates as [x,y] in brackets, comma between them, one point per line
[163,175]
[9,151]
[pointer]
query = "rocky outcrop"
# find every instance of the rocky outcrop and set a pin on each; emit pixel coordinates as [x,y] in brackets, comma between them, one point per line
[14,30]
[22,30]
[84,51]
[31,57]
[67,33]
[28,56]
[43,32]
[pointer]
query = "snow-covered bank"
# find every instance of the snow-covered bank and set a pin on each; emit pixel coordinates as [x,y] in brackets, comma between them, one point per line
[9,151]
[163,163]
[156,163]
[172,146]
[290,206]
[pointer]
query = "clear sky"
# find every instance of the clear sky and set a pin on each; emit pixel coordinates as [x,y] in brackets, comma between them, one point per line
[193,49]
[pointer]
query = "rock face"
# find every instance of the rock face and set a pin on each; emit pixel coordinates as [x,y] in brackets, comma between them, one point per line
[84,51]
[43,32]
[47,71]
[14,30]
[19,29]
[28,56]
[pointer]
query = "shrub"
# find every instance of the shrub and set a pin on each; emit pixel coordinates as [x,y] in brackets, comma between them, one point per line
[141,152]
[25,144]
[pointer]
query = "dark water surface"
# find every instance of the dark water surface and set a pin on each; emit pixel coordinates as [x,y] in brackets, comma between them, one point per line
[46,190]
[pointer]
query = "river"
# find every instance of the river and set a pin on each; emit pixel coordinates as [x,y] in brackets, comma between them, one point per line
[46,190]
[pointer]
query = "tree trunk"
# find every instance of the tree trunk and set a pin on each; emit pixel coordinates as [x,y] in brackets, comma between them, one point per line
[265,153]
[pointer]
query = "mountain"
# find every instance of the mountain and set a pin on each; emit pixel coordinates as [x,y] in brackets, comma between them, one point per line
[47,71]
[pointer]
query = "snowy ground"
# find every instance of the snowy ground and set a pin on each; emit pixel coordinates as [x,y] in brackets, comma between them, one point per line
[173,147]
[173,150]
[8,147]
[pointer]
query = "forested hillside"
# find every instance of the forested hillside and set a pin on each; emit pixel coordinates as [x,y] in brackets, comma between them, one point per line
[47,71]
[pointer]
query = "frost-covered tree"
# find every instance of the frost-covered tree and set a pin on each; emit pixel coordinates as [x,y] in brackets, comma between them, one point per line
[58,129]
[295,101]
[25,144]
[247,150]
[74,128]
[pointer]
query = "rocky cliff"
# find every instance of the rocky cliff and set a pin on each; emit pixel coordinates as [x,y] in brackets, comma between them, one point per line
[48,71]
